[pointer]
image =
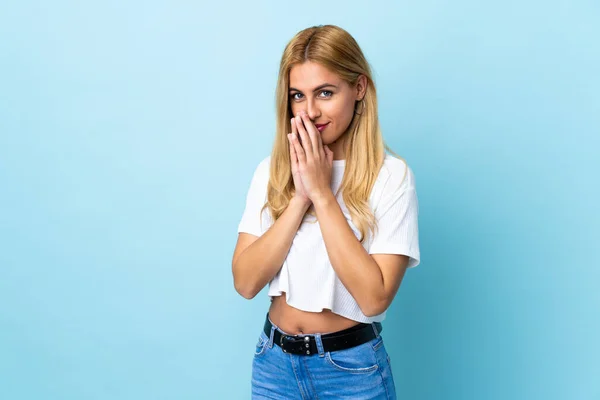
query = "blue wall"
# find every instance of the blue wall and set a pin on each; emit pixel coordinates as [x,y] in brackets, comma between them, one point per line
[128,137]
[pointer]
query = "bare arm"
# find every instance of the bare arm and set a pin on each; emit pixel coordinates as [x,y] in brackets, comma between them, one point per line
[372,280]
[256,260]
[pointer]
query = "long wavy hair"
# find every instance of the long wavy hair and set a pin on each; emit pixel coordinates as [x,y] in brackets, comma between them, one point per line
[335,49]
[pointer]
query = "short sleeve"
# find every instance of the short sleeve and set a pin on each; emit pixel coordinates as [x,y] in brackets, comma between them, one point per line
[252,220]
[397,217]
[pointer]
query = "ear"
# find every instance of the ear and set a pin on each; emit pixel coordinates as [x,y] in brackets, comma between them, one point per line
[361,87]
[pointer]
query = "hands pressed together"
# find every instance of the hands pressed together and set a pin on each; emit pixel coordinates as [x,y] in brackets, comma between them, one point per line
[312,161]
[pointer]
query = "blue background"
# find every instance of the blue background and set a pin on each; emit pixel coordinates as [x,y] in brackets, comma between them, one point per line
[128,137]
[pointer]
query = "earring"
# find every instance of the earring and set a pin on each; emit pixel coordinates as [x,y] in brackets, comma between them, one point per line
[362,108]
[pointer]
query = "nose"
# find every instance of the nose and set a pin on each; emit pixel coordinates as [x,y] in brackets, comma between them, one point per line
[312,110]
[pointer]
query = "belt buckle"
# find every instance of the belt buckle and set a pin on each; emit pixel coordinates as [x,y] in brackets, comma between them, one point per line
[295,339]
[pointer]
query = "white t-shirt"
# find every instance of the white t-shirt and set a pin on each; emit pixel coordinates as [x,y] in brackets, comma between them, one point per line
[306,275]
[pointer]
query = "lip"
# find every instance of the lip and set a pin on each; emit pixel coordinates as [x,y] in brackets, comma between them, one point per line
[320,127]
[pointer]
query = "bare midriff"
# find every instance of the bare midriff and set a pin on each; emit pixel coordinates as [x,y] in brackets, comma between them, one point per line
[296,322]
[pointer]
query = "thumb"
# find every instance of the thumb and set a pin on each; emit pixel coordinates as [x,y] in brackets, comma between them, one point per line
[329,154]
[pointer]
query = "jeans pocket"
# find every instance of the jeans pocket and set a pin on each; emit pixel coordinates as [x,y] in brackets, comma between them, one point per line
[261,345]
[357,360]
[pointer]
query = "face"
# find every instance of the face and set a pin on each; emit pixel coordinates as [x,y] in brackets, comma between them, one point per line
[327,99]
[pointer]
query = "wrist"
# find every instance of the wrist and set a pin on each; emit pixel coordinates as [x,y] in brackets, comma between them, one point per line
[300,203]
[324,199]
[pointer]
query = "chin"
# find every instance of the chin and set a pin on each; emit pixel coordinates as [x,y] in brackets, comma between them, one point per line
[326,139]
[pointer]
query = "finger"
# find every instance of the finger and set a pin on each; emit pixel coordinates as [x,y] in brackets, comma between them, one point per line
[315,136]
[306,142]
[293,124]
[329,155]
[295,128]
[300,153]
[293,158]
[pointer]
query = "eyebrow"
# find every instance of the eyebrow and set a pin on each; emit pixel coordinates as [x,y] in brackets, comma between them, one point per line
[317,88]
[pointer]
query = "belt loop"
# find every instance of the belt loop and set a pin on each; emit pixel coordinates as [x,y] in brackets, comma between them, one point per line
[319,343]
[273,327]
[374,326]
[271,336]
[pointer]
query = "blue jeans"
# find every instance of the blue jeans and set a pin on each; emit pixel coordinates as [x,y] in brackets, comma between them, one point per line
[358,373]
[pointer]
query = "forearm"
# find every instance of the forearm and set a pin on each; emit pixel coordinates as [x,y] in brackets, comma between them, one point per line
[354,266]
[260,262]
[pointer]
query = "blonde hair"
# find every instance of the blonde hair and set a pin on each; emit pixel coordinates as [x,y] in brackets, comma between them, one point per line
[336,50]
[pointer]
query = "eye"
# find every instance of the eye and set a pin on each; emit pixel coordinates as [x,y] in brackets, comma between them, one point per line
[327,91]
[294,94]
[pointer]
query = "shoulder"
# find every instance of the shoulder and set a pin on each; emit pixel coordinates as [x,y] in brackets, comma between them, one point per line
[396,174]
[261,171]
[265,161]
[260,178]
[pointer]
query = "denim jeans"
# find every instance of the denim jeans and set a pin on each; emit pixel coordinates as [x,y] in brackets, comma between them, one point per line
[358,373]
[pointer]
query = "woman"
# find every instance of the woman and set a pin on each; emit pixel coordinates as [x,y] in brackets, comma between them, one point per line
[330,224]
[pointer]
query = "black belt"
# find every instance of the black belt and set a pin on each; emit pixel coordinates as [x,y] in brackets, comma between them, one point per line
[340,340]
